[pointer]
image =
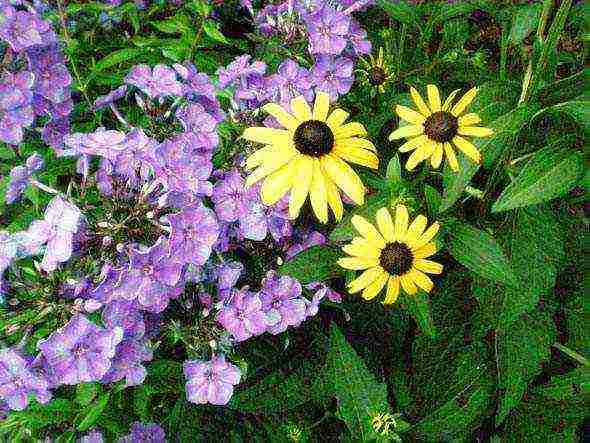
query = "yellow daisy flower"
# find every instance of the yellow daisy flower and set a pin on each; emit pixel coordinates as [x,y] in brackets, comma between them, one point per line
[309,157]
[395,253]
[376,71]
[439,127]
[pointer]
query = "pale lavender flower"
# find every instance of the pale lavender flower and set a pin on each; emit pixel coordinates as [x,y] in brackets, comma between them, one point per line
[358,39]
[111,97]
[197,88]
[18,381]
[156,83]
[93,436]
[210,382]
[292,80]
[228,197]
[20,177]
[255,90]
[144,433]
[24,29]
[227,275]
[260,220]
[102,142]
[203,125]
[126,315]
[127,363]
[52,81]
[242,315]
[193,233]
[239,69]
[80,351]
[306,241]
[327,29]
[16,105]
[282,302]
[8,249]
[333,76]
[321,291]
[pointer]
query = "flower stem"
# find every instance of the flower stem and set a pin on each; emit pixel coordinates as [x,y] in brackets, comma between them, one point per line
[43,187]
[571,353]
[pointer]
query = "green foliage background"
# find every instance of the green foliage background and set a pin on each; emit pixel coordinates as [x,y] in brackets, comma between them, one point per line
[498,351]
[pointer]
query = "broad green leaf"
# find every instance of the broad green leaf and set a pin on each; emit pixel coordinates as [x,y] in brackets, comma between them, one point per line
[399,10]
[345,231]
[573,386]
[317,263]
[524,23]
[114,58]
[577,315]
[89,416]
[360,396]
[433,199]
[520,350]
[38,416]
[577,110]
[418,305]
[566,88]
[6,152]
[211,28]
[394,169]
[85,393]
[480,252]
[177,24]
[549,174]
[448,12]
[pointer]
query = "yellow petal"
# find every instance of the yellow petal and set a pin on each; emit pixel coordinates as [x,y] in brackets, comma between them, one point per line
[467,147]
[408,284]
[321,106]
[268,136]
[257,158]
[421,280]
[419,101]
[282,116]
[392,290]
[368,231]
[385,224]
[425,251]
[450,99]
[280,158]
[334,199]
[276,185]
[357,155]
[344,177]
[375,287]
[475,131]
[401,222]
[349,130]
[427,236]
[356,263]
[301,109]
[428,266]
[416,229]
[437,156]
[365,279]
[410,115]
[469,119]
[318,194]
[303,173]
[406,131]
[451,157]
[414,143]
[433,98]
[363,250]
[356,142]
[420,154]
[337,118]
[465,101]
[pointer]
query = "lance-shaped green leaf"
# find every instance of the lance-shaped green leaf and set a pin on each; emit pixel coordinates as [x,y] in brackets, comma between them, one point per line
[317,263]
[345,231]
[549,174]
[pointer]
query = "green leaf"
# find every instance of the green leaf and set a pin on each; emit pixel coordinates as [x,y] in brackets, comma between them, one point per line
[85,393]
[317,263]
[90,416]
[345,231]
[177,24]
[450,11]
[211,28]
[549,174]
[565,89]
[577,314]
[520,350]
[360,396]
[524,23]
[394,169]
[38,416]
[114,58]
[433,199]
[399,10]
[479,251]
[577,110]
[6,152]
[418,305]
[573,386]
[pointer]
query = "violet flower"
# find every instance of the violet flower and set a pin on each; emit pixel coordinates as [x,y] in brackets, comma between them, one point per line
[127,363]
[157,82]
[20,177]
[210,382]
[327,29]
[144,433]
[333,76]
[242,315]
[282,302]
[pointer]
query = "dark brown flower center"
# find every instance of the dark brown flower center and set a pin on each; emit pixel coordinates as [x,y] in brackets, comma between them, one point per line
[314,138]
[377,76]
[441,126]
[396,258]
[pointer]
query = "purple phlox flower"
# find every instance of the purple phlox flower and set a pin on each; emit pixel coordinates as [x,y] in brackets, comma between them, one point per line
[74,289]
[227,275]
[292,80]
[127,363]
[24,29]
[198,88]
[102,142]
[321,291]
[18,380]
[228,196]
[282,302]
[358,39]
[111,97]
[125,315]
[259,220]
[55,131]
[196,120]
[93,436]
[211,382]
[239,69]
[8,250]
[153,277]
[327,29]
[306,241]
[16,105]
[333,76]
[52,80]
[181,168]
[193,233]
[158,82]
[255,90]
[20,176]
[242,315]
[80,351]
[144,433]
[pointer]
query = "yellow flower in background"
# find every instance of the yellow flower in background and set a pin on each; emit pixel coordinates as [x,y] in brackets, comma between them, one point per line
[309,157]
[393,253]
[376,71]
[439,127]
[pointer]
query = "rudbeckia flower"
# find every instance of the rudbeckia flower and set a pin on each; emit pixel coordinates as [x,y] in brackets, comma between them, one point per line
[393,253]
[309,157]
[439,127]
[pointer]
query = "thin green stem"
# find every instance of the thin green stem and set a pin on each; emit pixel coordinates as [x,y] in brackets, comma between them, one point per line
[572,354]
